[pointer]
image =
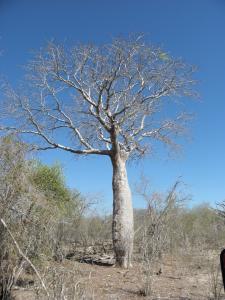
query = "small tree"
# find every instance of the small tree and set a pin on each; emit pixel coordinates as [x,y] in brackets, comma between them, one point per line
[50,181]
[156,231]
[67,204]
[103,100]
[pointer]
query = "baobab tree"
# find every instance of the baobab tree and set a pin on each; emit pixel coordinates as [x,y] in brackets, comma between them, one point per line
[112,100]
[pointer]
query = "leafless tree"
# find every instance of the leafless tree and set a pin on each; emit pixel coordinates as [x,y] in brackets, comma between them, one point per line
[112,100]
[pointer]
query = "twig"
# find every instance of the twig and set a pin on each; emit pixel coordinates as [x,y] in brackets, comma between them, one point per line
[25,257]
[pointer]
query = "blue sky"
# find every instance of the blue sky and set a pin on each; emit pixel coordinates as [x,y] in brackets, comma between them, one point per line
[193,30]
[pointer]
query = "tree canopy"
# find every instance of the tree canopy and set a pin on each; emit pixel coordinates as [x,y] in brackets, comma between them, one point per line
[98,94]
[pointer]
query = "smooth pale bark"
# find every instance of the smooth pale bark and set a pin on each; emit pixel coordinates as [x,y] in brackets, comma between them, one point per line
[122,226]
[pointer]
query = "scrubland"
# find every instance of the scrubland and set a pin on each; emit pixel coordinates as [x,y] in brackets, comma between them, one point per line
[54,245]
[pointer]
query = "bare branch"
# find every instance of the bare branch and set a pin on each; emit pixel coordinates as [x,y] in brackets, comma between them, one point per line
[103,98]
[25,257]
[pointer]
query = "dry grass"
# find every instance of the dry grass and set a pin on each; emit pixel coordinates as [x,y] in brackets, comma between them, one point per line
[184,277]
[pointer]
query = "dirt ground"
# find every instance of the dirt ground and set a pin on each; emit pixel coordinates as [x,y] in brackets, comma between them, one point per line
[185,277]
[178,280]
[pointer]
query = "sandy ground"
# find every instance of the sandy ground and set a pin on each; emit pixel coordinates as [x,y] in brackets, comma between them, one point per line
[187,277]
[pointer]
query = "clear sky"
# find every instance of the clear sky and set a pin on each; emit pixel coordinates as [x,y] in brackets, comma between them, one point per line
[191,29]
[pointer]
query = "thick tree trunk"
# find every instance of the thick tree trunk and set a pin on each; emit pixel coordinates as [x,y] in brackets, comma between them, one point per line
[122,227]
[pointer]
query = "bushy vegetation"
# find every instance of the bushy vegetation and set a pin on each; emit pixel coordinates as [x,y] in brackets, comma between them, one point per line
[35,203]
